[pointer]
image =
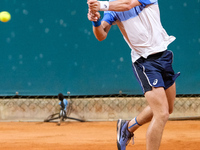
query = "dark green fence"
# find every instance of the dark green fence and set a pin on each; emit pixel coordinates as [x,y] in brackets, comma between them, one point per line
[48,47]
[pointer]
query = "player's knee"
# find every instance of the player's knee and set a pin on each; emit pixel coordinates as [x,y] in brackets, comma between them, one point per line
[164,116]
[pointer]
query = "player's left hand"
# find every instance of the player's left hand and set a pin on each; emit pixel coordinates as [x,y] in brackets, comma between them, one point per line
[93,16]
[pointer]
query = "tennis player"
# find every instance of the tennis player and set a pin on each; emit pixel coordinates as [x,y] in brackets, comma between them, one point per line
[139,23]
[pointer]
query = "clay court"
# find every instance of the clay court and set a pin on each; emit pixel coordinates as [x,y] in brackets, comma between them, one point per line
[178,135]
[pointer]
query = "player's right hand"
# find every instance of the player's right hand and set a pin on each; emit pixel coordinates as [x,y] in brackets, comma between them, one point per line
[93,5]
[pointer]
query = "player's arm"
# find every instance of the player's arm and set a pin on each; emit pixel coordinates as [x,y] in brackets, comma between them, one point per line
[118,5]
[101,31]
[100,28]
[123,5]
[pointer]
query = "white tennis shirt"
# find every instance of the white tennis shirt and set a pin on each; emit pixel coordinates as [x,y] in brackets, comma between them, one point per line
[141,29]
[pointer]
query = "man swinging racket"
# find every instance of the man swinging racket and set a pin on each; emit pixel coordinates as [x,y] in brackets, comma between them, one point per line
[139,23]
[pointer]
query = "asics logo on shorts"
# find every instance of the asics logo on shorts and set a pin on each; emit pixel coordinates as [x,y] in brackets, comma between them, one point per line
[155,81]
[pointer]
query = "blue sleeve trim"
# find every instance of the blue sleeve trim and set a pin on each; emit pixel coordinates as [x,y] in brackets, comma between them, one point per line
[108,18]
[147,2]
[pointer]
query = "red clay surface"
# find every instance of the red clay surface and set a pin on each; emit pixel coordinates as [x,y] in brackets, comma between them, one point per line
[178,135]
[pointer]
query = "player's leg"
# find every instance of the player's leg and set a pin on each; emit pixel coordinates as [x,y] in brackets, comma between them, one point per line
[157,98]
[171,95]
[143,117]
[125,128]
[158,102]
[146,115]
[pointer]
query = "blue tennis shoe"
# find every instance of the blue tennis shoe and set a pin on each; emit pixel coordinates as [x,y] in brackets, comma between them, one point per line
[123,135]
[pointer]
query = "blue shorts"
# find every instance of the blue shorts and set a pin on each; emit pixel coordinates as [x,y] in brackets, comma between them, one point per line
[155,71]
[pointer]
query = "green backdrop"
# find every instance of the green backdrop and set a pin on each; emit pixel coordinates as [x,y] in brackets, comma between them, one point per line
[48,47]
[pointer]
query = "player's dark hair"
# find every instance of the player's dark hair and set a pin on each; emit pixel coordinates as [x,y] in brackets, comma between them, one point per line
[60,96]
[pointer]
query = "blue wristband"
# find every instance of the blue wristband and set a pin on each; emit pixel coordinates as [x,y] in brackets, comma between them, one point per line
[96,23]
